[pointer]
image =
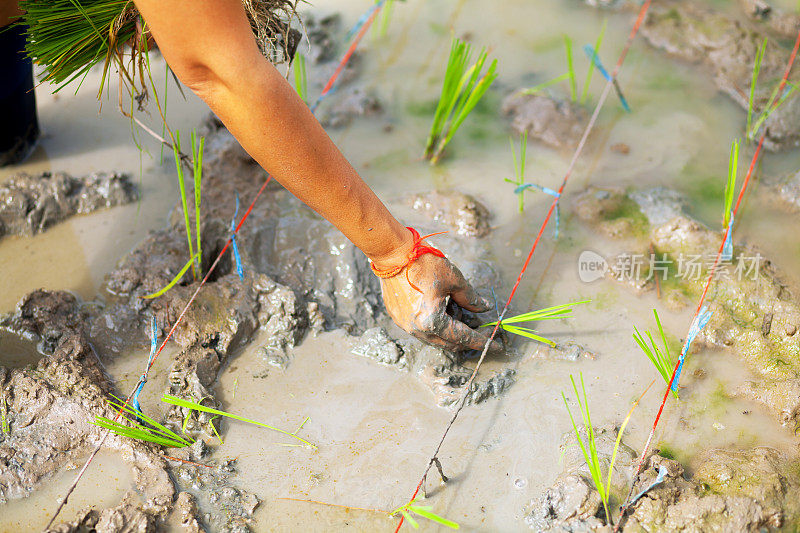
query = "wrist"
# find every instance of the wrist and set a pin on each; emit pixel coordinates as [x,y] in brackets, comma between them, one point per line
[394,253]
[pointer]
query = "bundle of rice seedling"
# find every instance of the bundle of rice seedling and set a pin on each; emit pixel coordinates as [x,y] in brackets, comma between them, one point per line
[463,87]
[69,37]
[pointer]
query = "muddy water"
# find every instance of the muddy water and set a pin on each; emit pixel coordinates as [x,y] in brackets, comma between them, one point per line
[18,352]
[103,486]
[78,139]
[376,426]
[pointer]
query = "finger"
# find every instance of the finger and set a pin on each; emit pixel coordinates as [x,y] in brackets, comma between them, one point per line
[466,338]
[453,334]
[466,296]
[433,340]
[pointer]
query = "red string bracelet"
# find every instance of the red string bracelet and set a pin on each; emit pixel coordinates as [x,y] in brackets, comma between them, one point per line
[417,250]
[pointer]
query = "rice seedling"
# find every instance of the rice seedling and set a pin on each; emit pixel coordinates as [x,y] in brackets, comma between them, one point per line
[589,448]
[771,107]
[197,159]
[549,313]
[296,431]
[141,427]
[753,82]
[544,85]
[425,511]
[730,187]
[588,80]
[174,400]
[214,429]
[774,102]
[591,53]
[385,17]
[519,166]
[573,85]
[195,249]
[658,355]
[4,417]
[174,280]
[463,87]
[182,188]
[570,74]
[69,37]
[300,80]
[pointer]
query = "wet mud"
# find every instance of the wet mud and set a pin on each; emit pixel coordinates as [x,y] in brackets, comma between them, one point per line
[50,409]
[29,204]
[557,123]
[726,47]
[462,213]
[300,276]
[755,318]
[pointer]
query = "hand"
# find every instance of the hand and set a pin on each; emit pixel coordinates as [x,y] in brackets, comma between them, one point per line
[423,314]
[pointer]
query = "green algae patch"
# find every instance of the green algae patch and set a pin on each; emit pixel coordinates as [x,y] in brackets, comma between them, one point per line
[613,212]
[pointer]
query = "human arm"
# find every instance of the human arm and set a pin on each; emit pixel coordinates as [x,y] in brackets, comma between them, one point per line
[210,47]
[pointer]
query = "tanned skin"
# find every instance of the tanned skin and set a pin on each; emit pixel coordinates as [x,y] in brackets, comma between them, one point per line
[210,47]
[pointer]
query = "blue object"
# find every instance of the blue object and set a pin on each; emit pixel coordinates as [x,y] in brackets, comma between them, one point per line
[358,25]
[143,378]
[521,188]
[545,190]
[332,90]
[699,323]
[662,474]
[236,257]
[727,248]
[595,59]
[363,19]
[135,398]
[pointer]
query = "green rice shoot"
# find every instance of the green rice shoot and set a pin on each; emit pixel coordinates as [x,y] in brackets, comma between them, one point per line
[214,429]
[195,261]
[753,83]
[4,417]
[590,455]
[544,85]
[588,80]
[197,160]
[182,187]
[771,107]
[385,17]
[463,87]
[519,166]
[573,85]
[174,400]
[570,74]
[141,427]
[549,313]
[730,185]
[774,102]
[658,355]
[300,79]
[589,448]
[425,511]
[174,280]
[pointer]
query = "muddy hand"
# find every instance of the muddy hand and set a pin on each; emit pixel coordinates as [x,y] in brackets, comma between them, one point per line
[423,313]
